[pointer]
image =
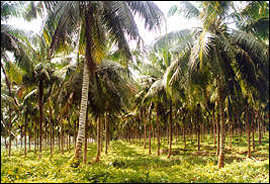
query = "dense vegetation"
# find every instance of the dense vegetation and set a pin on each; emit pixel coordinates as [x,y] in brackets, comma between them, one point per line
[191,107]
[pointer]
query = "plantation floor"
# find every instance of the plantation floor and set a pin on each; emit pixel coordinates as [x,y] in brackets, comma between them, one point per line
[127,162]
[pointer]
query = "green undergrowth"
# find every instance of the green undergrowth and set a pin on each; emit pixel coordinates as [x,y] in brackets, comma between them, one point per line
[126,162]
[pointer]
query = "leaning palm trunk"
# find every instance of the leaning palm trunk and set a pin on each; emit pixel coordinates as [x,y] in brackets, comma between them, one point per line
[89,67]
[82,118]
[85,139]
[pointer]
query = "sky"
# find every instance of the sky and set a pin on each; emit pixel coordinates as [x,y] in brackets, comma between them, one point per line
[173,23]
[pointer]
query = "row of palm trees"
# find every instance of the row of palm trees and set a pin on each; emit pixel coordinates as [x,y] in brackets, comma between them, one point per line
[197,78]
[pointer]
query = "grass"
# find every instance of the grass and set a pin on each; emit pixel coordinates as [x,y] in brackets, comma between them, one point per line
[128,162]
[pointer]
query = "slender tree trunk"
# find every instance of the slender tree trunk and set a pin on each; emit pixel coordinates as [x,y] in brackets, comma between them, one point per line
[170,132]
[145,131]
[158,132]
[10,125]
[106,134]
[184,136]
[222,128]
[85,139]
[89,67]
[198,136]
[98,139]
[35,139]
[21,127]
[241,126]
[29,136]
[81,132]
[25,128]
[168,135]
[62,138]
[101,134]
[259,129]
[253,130]
[51,133]
[6,144]
[248,133]
[150,129]
[75,135]
[9,146]
[214,128]
[218,132]
[40,116]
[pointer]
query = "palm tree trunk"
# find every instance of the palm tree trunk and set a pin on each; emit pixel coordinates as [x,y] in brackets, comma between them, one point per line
[170,132]
[29,137]
[21,137]
[218,132]
[85,139]
[101,134]
[98,139]
[35,139]
[25,128]
[253,130]
[10,124]
[259,129]
[75,135]
[59,140]
[198,135]
[89,67]
[231,130]
[40,116]
[158,132]
[51,132]
[248,133]
[82,118]
[150,129]
[145,131]
[222,128]
[106,134]
[6,145]
[62,138]
[214,128]
[184,136]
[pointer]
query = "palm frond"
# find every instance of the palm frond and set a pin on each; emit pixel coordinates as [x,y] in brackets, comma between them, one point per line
[149,11]
[188,10]
[201,49]
[174,38]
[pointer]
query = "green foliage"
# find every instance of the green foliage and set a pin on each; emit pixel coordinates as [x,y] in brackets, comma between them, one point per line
[130,163]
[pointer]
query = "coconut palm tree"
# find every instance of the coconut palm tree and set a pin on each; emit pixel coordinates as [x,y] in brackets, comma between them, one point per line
[220,50]
[112,20]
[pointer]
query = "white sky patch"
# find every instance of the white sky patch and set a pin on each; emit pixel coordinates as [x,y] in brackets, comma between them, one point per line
[173,23]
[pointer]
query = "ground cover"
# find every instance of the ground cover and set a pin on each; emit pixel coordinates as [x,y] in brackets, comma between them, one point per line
[129,162]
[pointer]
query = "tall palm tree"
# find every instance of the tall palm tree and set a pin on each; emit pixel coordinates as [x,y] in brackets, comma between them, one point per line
[221,50]
[111,20]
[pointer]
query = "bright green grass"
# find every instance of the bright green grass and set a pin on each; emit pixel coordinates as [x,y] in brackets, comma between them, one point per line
[127,162]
